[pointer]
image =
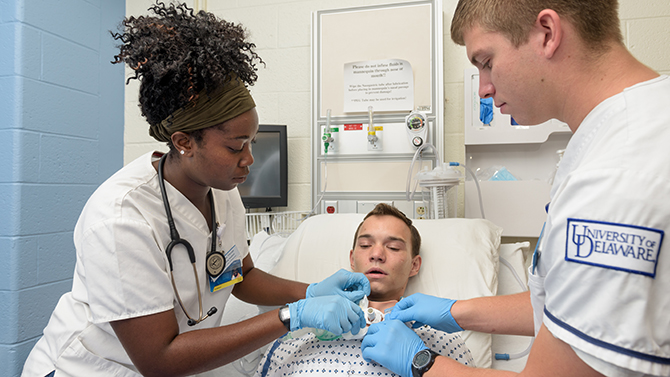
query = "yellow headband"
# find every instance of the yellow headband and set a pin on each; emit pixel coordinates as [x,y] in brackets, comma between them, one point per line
[226,103]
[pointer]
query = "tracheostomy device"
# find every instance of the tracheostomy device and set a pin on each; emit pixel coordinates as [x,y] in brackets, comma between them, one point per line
[372,315]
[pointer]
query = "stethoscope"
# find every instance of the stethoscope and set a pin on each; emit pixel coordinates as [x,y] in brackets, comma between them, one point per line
[536,254]
[215,259]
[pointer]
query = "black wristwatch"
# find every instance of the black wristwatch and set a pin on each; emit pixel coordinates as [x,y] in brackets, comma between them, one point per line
[422,361]
[285,316]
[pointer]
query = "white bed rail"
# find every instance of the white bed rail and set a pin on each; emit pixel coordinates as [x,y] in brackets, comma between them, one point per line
[283,223]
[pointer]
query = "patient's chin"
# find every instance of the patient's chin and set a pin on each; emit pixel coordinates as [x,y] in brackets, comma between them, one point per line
[377,291]
[384,290]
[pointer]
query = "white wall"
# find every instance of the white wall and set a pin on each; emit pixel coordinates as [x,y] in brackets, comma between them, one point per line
[281,30]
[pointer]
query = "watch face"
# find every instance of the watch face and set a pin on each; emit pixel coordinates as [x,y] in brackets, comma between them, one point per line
[284,314]
[421,358]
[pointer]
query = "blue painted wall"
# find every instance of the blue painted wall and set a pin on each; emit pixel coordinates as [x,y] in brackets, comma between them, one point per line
[61,121]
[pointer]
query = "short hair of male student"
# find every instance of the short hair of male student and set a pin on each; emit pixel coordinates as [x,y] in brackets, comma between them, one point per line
[596,21]
[383,209]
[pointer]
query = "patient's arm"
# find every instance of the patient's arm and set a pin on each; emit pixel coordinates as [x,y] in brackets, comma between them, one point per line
[508,314]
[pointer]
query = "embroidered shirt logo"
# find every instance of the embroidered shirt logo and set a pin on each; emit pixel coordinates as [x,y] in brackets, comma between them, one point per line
[617,246]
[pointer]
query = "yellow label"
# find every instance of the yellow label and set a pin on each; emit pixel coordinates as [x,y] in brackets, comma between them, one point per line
[228,283]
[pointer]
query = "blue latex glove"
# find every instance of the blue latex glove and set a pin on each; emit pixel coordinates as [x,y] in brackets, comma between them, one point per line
[351,285]
[333,313]
[486,110]
[393,345]
[426,310]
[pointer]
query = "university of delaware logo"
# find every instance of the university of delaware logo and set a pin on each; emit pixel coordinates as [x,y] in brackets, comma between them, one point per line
[617,246]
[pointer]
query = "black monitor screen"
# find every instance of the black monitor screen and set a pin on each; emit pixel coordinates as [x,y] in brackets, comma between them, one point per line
[267,183]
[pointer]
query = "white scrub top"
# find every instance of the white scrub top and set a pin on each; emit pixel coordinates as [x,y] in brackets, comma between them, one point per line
[122,271]
[602,282]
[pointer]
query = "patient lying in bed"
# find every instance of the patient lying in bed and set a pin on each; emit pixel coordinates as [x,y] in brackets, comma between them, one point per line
[386,248]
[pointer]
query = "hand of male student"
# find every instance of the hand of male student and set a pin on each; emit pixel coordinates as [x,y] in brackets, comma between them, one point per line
[392,344]
[426,310]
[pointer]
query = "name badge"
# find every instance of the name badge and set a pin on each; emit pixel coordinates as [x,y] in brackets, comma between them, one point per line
[232,274]
[622,247]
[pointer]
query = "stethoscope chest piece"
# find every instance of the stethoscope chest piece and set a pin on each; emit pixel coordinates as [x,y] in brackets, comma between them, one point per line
[215,263]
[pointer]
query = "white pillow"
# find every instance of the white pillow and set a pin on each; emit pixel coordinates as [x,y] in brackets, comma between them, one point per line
[460,260]
[512,279]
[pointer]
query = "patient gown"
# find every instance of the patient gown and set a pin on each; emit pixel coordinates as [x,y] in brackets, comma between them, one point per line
[308,355]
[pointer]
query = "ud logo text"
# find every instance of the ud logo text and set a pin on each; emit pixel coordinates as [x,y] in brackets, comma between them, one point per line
[617,246]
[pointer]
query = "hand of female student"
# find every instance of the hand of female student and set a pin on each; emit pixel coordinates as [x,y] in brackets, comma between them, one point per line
[333,313]
[392,344]
[351,285]
[426,310]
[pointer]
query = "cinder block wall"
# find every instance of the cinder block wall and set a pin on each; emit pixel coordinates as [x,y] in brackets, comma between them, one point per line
[281,30]
[61,117]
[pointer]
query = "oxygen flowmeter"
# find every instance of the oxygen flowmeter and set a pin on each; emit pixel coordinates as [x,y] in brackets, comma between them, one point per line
[328,138]
[374,138]
[417,128]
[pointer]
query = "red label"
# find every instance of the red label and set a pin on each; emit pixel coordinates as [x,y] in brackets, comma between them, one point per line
[330,209]
[353,127]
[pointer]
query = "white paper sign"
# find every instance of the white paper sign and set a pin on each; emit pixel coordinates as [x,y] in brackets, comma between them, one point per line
[386,85]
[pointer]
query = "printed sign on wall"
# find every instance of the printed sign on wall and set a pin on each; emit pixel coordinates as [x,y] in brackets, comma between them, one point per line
[386,85]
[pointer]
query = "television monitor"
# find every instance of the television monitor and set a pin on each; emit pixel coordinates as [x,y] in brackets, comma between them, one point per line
[267,183]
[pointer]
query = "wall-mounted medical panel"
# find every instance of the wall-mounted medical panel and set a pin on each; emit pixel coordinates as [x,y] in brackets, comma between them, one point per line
[370,68]
[352,139]
[515,164]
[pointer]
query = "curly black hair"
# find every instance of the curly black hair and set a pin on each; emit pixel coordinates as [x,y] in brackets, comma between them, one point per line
[177,54]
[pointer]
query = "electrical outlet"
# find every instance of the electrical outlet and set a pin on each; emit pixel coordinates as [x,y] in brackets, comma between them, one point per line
[420,211]
[330,206]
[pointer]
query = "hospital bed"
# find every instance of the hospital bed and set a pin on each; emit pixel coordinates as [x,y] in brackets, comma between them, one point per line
[462,258]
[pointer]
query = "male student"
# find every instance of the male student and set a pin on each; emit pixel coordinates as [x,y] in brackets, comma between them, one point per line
[598,302]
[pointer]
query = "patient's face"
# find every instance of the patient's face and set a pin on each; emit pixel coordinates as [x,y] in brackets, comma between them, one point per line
[383,253]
